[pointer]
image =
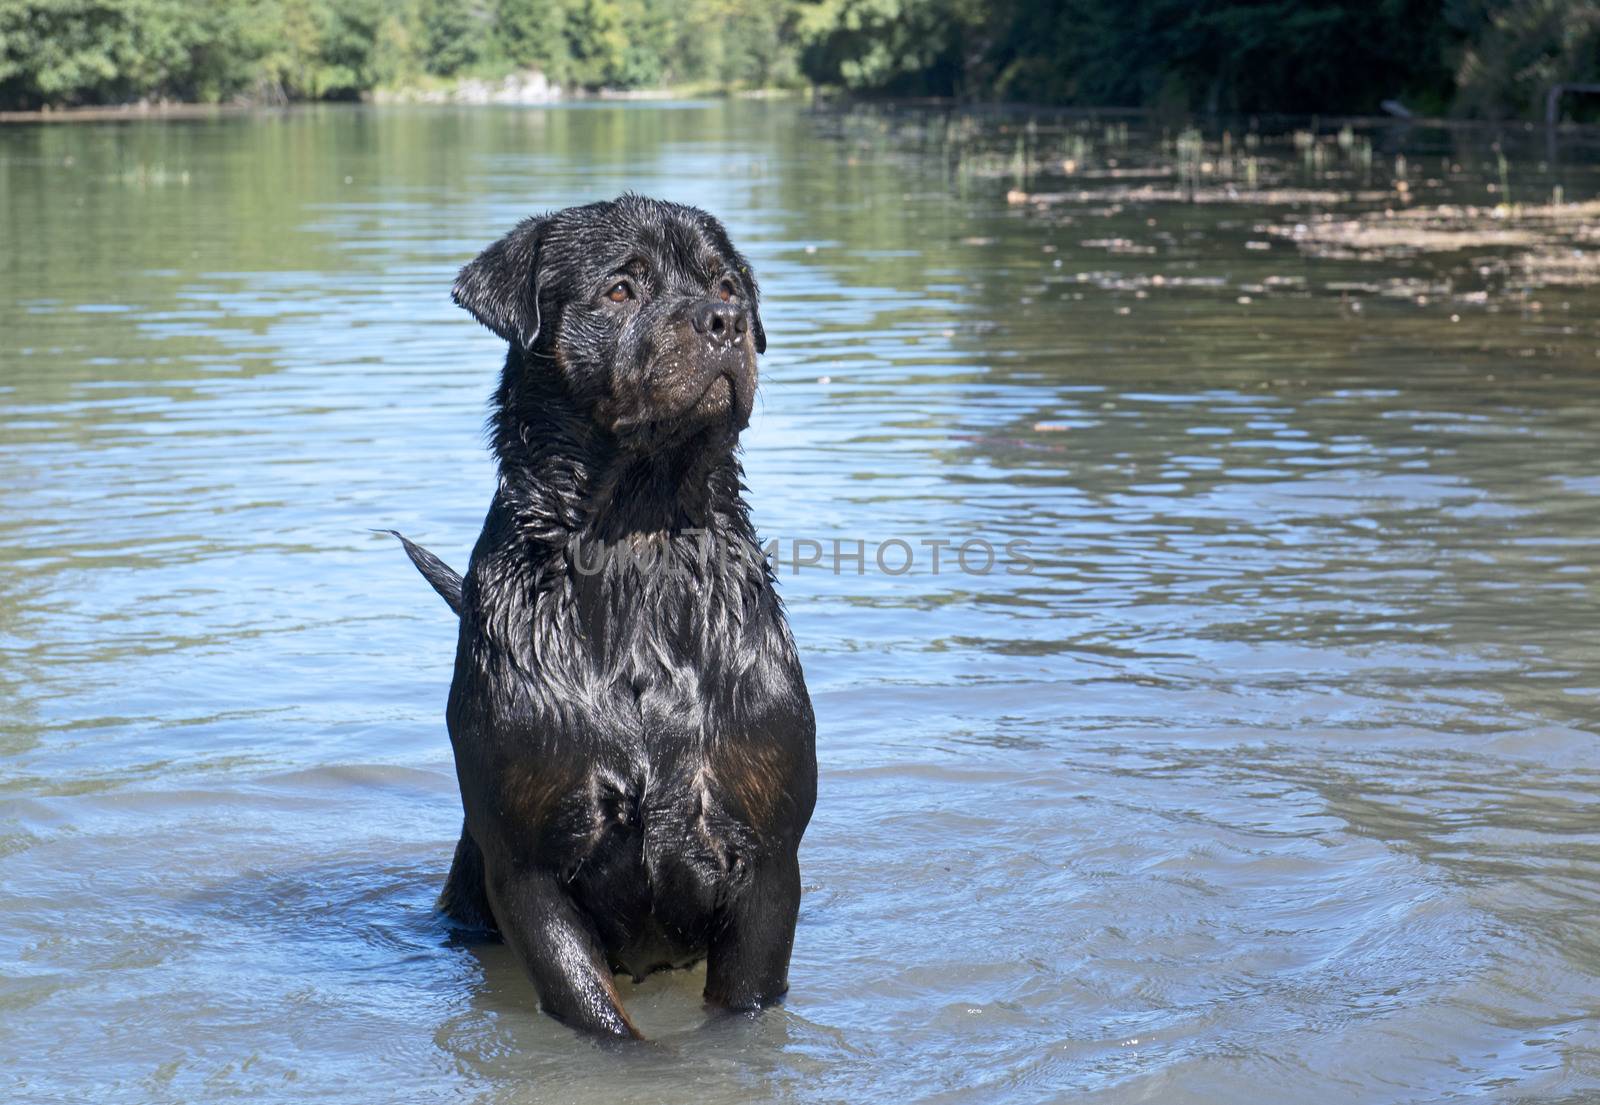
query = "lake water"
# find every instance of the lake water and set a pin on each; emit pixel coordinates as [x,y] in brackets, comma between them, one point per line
[1276,777]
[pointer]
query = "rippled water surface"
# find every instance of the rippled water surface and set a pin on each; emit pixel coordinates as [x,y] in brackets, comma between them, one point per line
[1274,779]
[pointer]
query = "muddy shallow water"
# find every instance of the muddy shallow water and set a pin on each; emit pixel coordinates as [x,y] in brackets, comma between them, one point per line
[1273,777]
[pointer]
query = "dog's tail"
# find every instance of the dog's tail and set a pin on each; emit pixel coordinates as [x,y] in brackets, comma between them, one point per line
[439,575]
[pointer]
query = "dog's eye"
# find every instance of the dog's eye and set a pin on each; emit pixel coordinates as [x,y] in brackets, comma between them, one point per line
[620,292]
[725,291]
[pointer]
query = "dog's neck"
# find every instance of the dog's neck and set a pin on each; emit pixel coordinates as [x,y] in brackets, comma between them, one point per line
[641,547]
[563,476]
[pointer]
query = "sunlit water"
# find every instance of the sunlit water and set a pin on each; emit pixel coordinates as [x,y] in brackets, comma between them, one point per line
[1275,780]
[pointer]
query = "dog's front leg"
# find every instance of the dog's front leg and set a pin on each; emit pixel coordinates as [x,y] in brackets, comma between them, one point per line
[560,949]
[747,966]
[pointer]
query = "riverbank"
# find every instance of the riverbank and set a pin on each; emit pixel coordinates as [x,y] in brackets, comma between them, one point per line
[128,112]
[528,88]
[525,89]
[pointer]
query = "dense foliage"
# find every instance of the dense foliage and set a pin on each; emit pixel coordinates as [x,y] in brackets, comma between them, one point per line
[1482,57]
[62,52]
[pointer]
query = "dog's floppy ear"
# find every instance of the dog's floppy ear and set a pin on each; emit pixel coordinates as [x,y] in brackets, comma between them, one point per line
[501,285]
[759,330]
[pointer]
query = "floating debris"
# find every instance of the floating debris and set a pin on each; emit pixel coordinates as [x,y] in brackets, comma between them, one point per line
[1117,245]
[1543,243]
[1571,268]
[1362,238]
[1150,193]
[1444,228]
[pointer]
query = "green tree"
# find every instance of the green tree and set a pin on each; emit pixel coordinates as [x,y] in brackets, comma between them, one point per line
[452,36]
[1515,51]
[1479,57]
[596,41]
[532,34]
[899,46]
[88,51]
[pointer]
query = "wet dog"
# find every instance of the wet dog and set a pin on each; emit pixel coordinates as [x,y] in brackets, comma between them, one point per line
[632,734]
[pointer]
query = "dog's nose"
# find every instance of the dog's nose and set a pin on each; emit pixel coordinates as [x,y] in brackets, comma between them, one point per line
[720,322]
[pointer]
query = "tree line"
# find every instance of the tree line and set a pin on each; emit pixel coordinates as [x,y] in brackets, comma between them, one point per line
[1467,57]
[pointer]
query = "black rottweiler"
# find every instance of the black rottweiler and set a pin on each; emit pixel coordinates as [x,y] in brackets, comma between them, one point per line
[632,734]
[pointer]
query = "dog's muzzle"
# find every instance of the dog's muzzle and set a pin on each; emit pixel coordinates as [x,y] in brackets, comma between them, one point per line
[726,363]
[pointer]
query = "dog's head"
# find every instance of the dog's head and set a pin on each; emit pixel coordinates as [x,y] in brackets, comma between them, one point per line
[642,310]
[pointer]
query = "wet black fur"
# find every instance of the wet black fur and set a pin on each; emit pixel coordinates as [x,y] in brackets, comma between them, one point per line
[635,746]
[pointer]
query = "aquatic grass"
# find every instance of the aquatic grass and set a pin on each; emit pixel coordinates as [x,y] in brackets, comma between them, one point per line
[1019,164]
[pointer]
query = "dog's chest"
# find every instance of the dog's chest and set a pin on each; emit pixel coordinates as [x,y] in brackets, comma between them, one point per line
[633,650]
[661,619]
